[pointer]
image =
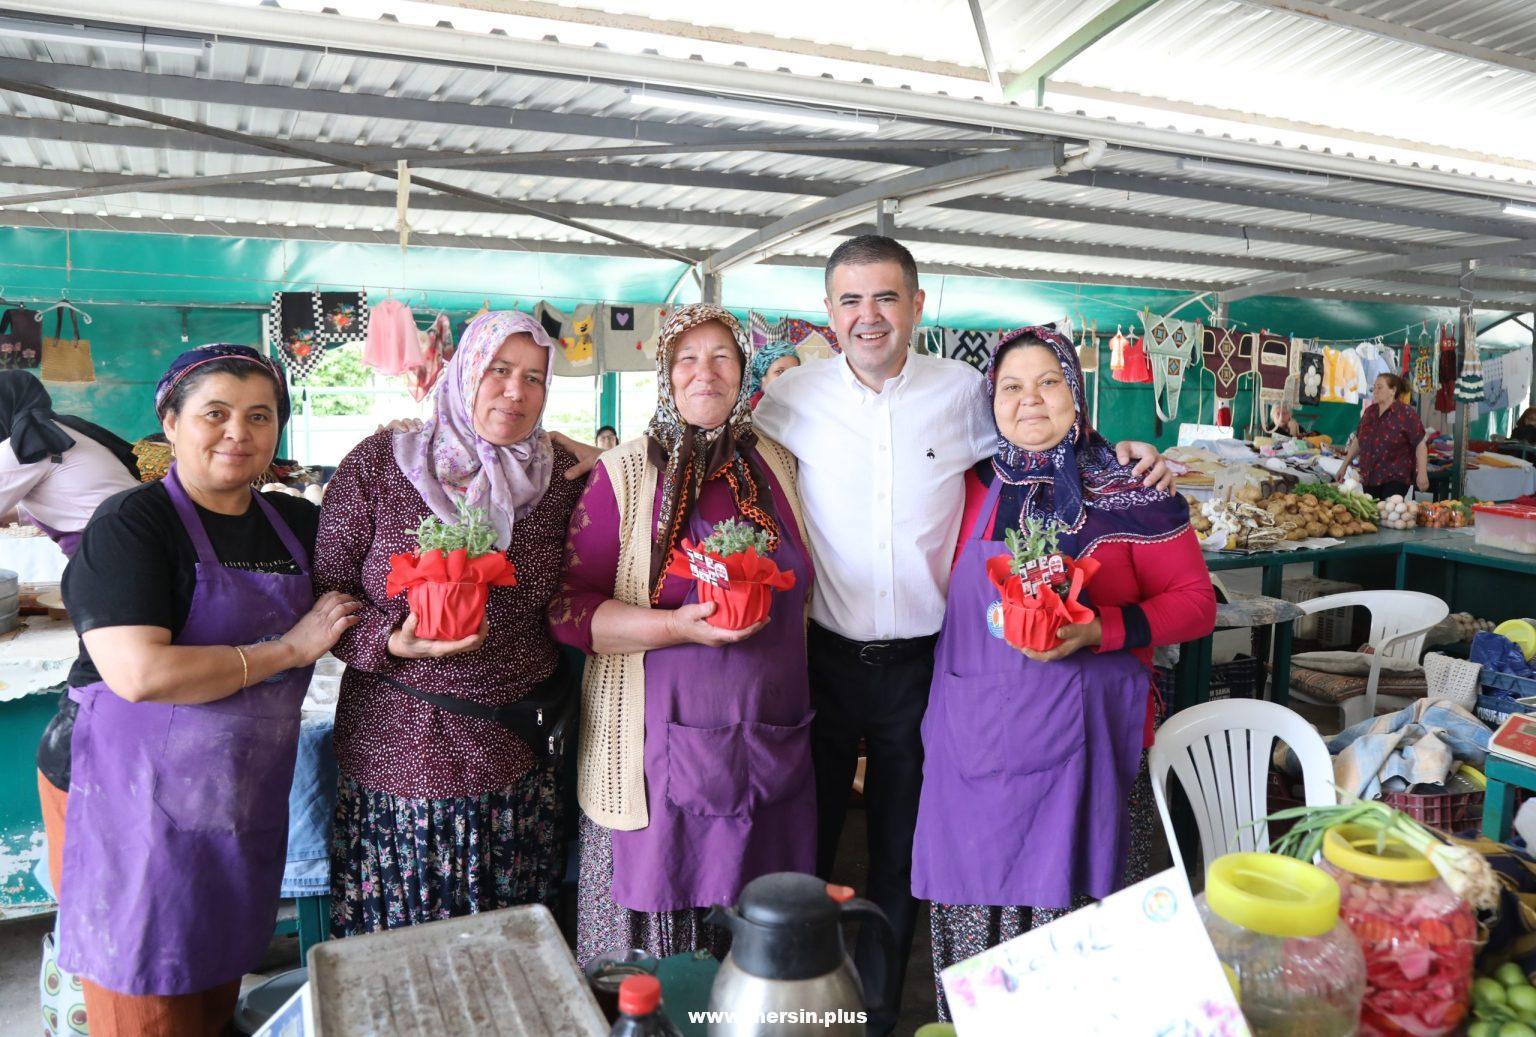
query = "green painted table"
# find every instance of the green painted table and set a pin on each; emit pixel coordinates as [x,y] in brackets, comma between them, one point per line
[1504,777]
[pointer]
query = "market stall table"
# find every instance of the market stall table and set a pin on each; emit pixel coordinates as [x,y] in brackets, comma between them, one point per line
[1505,777]
[1487,482]
[34,559]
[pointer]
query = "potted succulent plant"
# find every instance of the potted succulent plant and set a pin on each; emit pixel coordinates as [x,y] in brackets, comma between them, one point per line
[1040,586]
[449,577]
[731,569]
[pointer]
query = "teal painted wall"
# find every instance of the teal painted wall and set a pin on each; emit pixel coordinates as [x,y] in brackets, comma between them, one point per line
[138,287]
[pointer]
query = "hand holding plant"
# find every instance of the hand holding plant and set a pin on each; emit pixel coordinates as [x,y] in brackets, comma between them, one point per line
[447,581]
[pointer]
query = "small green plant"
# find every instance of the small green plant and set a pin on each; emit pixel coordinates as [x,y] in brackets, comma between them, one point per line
[471,530]
[1039,539]
[730,537]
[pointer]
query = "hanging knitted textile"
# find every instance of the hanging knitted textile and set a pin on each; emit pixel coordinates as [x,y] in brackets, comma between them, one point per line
[1309,377]
[1171,346]
[627,336]
[436,351]
[1272,369]
[1469,387]
[1343,376]
[1292,395]
[811,341]
[304,324]
[1228,355]
[973,347]
[577,355]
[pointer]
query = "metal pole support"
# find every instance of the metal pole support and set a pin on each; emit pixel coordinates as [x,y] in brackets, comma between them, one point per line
[710,289]
[885,217]
[1466,333]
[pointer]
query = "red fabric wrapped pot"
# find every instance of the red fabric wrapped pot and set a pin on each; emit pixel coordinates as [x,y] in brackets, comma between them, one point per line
[447,593]
[740,585]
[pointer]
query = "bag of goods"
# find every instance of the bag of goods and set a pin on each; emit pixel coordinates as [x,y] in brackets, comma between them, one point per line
[1040,586]
[732,569]
[448,579]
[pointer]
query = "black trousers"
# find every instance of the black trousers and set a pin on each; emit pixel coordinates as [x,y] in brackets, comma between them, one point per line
[1381,491]
[877,692]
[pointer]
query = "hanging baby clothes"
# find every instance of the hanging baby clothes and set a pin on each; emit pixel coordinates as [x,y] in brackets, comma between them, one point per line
[627,336]
[577,355]
[1309,377]
[1421,375]
[1342,376]
[1137,368]
[1272,370]
[1117,354]
[1375,360]
[1469,387]
[304,324]
[436,351]
[973,347]
[1171,346]
[393,344]
[1228,355]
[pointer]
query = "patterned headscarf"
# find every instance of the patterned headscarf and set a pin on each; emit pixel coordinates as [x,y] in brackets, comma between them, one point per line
[447,461]
[762,360]
[689,456]
[1078,481]
[201,356]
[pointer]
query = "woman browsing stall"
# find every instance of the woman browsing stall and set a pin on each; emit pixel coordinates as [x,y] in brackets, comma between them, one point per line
[1031,756]
[694,772]
[199,629]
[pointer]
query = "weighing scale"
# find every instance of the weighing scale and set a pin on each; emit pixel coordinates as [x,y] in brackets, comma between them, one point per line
[1516,739]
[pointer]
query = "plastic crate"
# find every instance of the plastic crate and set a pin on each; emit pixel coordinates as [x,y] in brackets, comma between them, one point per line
[1458,809]
[1507,684]
[1332,629]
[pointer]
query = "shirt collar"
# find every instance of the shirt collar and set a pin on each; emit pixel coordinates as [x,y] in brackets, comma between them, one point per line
[863,392]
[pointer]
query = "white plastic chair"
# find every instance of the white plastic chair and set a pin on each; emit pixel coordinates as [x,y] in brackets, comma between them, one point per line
[1399,621]
[1221,753]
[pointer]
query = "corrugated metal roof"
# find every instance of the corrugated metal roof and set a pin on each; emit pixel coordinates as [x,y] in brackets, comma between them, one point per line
[1139,215]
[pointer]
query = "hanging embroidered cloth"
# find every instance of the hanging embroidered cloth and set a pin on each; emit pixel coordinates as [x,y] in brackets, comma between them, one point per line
[1272,369]
[811,341]
[436,351]
[1292,395]
[973,347]
[1469,387]
[304,324]
[627,336]
[1171,346]
[577,355]
[1309,377]
[1228,355]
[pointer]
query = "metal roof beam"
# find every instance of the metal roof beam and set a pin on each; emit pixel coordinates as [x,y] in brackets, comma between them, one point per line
[1287,202]
[833,213]
[127,83]
[1032,79]
[1397,33]
[1379,265]
[984,40]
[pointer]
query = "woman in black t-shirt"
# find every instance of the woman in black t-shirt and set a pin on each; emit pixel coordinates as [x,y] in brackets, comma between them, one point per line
[199,627]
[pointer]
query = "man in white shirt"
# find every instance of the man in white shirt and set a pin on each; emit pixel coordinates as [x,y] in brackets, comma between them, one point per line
[884,437]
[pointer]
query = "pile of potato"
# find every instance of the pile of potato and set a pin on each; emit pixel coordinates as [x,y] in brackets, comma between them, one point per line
[1302,515]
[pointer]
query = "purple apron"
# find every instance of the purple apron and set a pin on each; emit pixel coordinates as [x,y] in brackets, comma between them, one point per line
[1027,766]
[728,777]
[178,815]
[69,543]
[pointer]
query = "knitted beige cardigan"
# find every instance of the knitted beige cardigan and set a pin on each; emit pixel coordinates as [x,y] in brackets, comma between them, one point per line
[610,762]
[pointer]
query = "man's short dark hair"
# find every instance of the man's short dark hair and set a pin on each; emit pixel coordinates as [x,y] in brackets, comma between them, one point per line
[873,248]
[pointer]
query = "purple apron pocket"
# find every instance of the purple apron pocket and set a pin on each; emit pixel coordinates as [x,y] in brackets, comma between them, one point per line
[1004,725]
[730,771]
[217,770]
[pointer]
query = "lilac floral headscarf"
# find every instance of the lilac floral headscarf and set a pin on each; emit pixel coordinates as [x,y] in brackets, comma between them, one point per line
[447,461]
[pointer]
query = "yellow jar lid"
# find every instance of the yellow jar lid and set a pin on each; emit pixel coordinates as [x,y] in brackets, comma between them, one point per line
[1273,895]
[1522,632]
[1355,849]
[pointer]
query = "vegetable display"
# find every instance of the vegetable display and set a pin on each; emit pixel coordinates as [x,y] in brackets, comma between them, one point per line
[448,579]
[1504,1004]
[734,571]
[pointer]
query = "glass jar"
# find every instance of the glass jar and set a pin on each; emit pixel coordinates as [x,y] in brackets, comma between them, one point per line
[1418,937]
[1274,922]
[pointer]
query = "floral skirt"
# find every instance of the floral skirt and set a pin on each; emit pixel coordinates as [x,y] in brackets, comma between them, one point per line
[603,925]
[397,861]
[962,931]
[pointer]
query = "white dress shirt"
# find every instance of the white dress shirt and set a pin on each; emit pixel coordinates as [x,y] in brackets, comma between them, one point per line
[882,484]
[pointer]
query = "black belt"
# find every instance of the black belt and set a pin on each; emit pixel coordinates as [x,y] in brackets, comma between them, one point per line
[546,715]
[879,653]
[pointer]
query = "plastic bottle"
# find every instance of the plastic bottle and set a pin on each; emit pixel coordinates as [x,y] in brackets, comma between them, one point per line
[640,1013]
